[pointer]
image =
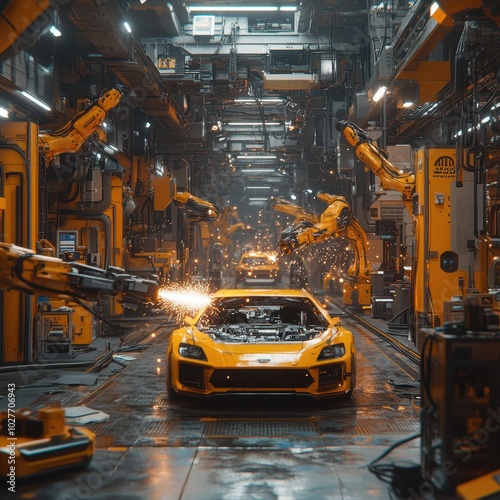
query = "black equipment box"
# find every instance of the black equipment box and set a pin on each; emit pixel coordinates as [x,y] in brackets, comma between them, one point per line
[460,416]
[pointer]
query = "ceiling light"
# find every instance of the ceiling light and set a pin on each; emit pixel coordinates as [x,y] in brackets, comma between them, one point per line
[3,112]
[147,125]
[55,31]
[231,8]
[34,99]
[258,170]
[486,119]
[256,157]
[251,124]
[293,197]
[126,25]
[288,8]
[380,92]
[263,99]
[408,104]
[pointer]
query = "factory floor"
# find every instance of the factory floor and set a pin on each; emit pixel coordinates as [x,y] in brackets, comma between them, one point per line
[230,448]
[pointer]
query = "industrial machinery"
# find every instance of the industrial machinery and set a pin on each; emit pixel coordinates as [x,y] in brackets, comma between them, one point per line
[71,137]
[68,201]
[336,221]
[24,271]
[34,444]
[287,207]
[460,398]
[438,273]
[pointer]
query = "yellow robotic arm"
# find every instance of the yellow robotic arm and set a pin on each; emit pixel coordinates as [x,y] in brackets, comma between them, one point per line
[336,217]
[71,137]
[25,271]
[376,160]
[287,207]
[199,209]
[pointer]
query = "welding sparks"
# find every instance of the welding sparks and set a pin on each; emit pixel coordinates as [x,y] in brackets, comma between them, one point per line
[182,300]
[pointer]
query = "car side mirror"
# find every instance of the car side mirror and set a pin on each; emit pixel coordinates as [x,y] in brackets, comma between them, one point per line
[334,322]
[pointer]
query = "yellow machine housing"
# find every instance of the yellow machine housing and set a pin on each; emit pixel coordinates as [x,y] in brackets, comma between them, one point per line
[437,273]
[19,225]
[42,443]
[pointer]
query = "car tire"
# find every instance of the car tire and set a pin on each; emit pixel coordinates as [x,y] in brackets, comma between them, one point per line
[171,392]
[348,395]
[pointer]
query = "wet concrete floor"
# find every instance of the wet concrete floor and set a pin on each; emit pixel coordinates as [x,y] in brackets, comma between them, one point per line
[244,447]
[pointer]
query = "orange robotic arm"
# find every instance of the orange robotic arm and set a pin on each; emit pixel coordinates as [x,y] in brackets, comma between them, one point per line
[376,160]
[70,138]
[25,271]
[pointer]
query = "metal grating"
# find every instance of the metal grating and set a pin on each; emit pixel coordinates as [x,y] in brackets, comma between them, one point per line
[261,427]
[376,398]
[157,428]
[378,426]
[144,399]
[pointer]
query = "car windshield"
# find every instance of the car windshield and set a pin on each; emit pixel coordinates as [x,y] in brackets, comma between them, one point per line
[262,310]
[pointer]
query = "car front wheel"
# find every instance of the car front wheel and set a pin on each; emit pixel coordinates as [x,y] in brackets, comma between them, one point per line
[171,392]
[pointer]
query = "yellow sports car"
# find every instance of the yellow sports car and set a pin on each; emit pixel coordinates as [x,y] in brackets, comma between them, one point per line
[257,268]
[261,341]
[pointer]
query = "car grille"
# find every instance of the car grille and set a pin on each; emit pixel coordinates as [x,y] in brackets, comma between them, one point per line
[191,376]
[330,377]
[261,378]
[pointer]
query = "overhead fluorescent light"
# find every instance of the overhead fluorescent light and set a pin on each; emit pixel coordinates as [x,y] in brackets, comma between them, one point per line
[263,99]
[259,187]
[252,124]
[258,170]
[126,25]
[288,8]
[55,31]
[34,99]
[486,119]
[3,112]
[256,157]
[408,104]
[258,199]
[380,93]
[232,8]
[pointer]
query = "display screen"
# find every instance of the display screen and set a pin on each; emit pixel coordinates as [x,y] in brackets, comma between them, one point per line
[67,241]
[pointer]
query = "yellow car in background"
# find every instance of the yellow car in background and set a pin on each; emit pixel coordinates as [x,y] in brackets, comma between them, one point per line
[257,268]
[261,341]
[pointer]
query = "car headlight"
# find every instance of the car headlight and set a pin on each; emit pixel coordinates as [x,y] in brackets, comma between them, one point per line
[192,351]
[332,352]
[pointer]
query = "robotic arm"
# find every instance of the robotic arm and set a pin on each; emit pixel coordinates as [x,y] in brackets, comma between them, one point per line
[201,210]
[287,207]
[25,271]
[376,160]
[333,220]
[71,137]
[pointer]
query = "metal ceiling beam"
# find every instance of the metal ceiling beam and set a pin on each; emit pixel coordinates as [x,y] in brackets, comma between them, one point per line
[102,25]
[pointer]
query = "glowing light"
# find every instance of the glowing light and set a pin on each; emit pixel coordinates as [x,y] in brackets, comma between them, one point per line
[181,300]
[379,93]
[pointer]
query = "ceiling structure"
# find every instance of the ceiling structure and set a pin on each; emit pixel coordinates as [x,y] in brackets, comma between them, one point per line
[247,93]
